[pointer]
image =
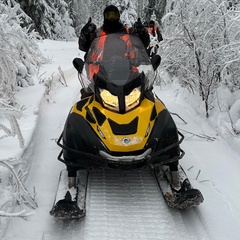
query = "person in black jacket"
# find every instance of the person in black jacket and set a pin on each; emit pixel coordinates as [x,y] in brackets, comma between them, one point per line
[111,24]
[154,30]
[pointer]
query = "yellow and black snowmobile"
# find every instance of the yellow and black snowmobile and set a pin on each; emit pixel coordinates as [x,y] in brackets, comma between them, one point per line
[121,124]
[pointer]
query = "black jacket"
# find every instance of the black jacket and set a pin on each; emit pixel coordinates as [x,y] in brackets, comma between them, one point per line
[85,39]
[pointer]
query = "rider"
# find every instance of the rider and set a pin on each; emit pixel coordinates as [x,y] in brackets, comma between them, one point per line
[111,24]
[154,30]
[155,34]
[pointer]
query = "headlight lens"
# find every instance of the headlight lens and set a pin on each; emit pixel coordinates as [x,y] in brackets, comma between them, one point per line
[110,101]
[132,100]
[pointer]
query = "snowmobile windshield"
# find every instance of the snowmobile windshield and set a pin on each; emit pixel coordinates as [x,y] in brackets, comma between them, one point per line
[118,59]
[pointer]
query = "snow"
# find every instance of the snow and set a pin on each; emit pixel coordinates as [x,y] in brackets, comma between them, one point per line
[127,209]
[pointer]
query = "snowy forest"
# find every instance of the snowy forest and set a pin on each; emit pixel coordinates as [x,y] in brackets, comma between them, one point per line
[201,47]
[201,42]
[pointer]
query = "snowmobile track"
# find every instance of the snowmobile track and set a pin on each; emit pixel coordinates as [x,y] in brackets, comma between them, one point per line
[118,199]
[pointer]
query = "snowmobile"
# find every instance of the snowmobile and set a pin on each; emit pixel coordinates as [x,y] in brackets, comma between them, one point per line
[119,124]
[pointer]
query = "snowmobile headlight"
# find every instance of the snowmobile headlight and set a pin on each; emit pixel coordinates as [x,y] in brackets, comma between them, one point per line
[109,100]
[133,99]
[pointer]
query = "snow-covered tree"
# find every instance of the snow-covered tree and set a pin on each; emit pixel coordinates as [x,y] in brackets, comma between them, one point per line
[19,61]
[49,18]
[20,55]
[79,12]
[202,45]
[156,7]
[128,12]
[141,6]
[96,11]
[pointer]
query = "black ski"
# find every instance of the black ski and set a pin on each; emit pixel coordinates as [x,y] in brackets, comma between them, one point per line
[70,203]
[182,197]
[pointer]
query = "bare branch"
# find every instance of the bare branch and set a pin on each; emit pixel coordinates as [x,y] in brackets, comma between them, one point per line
[179,117]
[63,77]
[22,193]
[203,136]
[21,214]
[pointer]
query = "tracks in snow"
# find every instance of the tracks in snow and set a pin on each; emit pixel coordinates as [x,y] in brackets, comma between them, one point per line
[127,204]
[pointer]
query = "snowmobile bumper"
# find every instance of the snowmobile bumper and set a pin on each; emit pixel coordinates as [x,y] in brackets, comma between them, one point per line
[85,160]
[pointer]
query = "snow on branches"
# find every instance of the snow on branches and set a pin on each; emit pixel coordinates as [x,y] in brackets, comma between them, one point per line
[19,60]
[201,47]
[21,194]
[11,114]
[234,113]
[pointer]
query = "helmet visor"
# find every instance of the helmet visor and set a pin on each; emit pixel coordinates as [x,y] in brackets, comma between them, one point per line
[111,15]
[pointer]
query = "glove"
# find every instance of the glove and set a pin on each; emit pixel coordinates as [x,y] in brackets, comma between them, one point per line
[89,27]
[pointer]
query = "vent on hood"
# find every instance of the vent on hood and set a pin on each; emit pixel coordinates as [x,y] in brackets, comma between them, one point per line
[124,129]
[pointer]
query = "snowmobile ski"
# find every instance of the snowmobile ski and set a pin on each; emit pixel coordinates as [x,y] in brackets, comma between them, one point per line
[183,195]
[70,203]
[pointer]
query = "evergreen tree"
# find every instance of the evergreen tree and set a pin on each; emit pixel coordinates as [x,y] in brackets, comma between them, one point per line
[79,12]
[50,18]
[156,7]
[96,10]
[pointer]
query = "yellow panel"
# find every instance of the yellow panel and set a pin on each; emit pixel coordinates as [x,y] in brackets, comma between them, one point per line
[124,143]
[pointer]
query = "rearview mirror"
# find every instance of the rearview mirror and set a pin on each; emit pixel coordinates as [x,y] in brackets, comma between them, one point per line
[78,63]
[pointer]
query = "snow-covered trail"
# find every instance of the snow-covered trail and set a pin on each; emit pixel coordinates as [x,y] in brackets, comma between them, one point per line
[212,166]
[128,204]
